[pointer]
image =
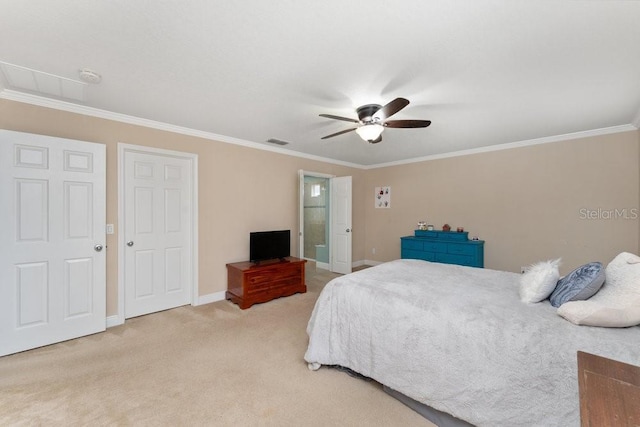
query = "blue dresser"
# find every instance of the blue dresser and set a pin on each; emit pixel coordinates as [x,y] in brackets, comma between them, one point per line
[448,247]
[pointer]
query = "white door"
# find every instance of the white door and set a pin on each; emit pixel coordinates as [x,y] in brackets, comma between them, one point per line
[158,215]
[52,260]
[341,230]
[301,214]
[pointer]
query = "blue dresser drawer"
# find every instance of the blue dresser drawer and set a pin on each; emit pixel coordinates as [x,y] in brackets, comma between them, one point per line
[426,233]
[441,246]
[435,246]
[463,236]
[460,249]
[413,244]
[455,259]
[444,235]
[413,254]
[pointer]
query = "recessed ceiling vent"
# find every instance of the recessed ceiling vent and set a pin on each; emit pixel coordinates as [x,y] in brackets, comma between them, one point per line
[277,141]
[40,83]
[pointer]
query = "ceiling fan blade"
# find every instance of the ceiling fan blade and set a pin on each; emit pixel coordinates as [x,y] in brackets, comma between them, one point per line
[338,133]
[390,109]
[346,119]
[407,123]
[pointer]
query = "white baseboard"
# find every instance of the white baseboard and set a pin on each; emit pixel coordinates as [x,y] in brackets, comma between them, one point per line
[355,264]
[114,321]
[322,265]
[209,298]
[117,320]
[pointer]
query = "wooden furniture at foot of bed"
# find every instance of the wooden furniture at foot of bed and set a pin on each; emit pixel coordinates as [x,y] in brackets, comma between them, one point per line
[609,392]
[250,283]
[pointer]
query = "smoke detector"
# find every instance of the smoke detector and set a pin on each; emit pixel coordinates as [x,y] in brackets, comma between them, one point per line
[90,76]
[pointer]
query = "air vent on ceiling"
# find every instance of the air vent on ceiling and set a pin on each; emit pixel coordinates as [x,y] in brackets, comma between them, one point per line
[44,84]
[277,141]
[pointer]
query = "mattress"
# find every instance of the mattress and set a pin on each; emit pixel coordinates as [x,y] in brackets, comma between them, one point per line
[459,339]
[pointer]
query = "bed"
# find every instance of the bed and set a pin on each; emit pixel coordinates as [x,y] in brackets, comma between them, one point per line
[459,340]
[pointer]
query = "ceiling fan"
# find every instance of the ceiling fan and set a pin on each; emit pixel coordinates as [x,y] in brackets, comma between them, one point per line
[372,119]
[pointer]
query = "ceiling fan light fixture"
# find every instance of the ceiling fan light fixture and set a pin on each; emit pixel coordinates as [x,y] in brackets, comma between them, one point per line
[373,118]
[370,131]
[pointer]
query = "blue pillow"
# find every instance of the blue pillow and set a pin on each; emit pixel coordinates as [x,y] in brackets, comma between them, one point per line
[581,284]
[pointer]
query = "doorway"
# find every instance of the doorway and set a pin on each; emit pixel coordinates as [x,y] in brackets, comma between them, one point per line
[325,220]
[316,209]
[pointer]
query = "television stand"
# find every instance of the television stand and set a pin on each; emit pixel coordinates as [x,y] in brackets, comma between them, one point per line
[249,283]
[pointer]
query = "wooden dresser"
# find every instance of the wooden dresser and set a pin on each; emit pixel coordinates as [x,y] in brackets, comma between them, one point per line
[609,392]
[249,283]
[448,247]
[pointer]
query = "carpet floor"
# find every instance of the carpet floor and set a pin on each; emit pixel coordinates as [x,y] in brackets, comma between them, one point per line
[211,365]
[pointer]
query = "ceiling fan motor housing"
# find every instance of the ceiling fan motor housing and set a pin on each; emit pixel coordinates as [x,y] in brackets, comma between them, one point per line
[366,112]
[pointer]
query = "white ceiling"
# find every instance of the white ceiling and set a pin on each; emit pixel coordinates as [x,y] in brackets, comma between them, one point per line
[484,72]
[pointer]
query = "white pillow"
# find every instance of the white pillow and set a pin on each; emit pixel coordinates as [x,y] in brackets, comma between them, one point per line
[591,313]
[622,283]
[617,304]
[539,280]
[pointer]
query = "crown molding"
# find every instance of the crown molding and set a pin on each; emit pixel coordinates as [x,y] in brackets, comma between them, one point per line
[26,98]
[510,145]
[70,107]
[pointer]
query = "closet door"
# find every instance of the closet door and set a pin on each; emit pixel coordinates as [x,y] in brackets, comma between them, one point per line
[52,255]
[158,227]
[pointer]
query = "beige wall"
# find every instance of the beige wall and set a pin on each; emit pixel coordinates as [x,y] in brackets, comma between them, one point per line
[240,189]
[524,202]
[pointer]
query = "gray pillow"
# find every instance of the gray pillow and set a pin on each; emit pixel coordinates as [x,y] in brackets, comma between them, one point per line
[581,284]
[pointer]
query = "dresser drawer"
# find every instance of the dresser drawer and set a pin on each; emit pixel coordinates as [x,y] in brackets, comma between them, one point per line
[413,244]
[461,249]
[435,246]
[273,285]
[455,259]
[424,245]
[249,283]
[271,277]
[445,247]
[413,254]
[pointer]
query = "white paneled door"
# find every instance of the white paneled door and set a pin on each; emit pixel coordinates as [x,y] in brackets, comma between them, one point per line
[158,231]
[52,237]
[341,230]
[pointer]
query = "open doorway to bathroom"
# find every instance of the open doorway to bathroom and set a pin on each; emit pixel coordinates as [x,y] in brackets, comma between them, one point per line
[315,197]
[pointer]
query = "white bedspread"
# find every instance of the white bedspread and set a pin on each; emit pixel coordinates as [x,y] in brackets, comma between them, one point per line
[459,340]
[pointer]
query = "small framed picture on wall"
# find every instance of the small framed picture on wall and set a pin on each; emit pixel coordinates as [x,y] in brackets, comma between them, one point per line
[383,198]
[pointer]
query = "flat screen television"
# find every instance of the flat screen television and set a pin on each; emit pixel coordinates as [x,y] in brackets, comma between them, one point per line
[266,245]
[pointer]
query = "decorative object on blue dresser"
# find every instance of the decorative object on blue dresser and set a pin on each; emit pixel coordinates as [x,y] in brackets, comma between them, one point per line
[448,247]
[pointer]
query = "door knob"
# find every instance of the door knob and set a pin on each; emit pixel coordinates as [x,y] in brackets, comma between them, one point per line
[130,243]
[348,230]
[97,248]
